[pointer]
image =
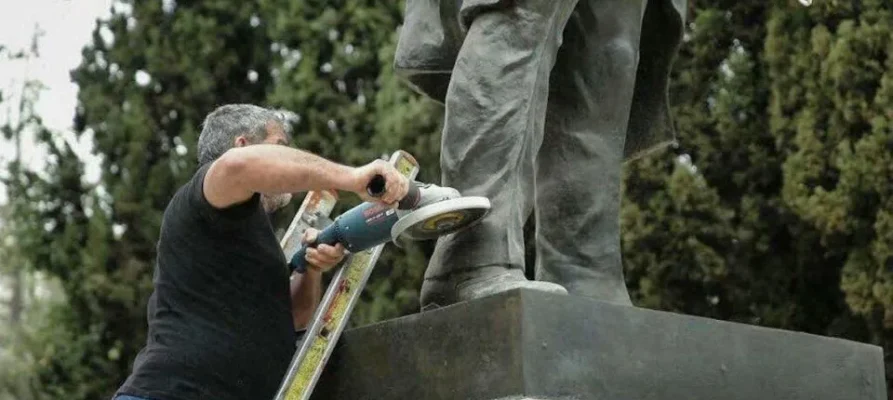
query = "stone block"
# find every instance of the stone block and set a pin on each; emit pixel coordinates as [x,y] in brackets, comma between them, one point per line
[531,345]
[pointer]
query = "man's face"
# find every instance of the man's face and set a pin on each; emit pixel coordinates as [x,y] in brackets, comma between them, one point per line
[273,202]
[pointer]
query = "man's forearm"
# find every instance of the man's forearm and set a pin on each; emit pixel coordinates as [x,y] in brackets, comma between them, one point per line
[306,293]
[267,168]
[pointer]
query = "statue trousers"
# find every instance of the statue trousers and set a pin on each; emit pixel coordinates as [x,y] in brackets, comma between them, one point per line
[535,119]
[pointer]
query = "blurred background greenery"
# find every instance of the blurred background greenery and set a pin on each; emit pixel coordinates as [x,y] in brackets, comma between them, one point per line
[774,209]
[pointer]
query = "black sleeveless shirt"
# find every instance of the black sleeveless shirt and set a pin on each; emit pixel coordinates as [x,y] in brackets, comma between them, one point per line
[220,324]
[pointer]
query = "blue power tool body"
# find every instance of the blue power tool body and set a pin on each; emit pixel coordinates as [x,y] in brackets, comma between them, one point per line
[362,227]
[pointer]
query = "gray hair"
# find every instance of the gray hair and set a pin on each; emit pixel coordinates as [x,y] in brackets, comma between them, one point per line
[223,125]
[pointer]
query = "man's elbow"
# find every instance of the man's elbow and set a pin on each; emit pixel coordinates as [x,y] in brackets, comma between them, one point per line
[232,166]
[227,180]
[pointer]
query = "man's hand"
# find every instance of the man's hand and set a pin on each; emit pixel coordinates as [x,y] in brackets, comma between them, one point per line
[396,185]
[306,288]
[323,257]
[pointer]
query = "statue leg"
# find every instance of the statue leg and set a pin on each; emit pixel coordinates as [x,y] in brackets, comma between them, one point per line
[578,169]
[495,111]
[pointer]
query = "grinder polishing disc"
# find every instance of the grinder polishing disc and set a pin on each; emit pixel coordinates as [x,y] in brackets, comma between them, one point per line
[441,218]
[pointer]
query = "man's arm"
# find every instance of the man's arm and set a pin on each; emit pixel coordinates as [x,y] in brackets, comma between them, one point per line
[268,168]
[306,288]
[306,294]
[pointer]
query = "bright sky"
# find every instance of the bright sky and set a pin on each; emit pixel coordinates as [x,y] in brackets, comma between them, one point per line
[67,27]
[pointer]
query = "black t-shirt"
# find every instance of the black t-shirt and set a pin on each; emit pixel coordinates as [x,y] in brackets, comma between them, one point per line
[220,324]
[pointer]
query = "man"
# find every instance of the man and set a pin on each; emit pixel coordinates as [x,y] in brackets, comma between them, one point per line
[224,315]
[545,100]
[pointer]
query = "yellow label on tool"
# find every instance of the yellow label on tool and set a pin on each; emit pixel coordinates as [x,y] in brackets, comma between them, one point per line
[405,166]
[452,218]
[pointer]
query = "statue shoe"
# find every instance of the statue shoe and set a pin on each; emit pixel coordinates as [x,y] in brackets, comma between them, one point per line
[479,283]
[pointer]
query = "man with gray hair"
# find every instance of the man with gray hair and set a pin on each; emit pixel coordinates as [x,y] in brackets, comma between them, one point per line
[224,312]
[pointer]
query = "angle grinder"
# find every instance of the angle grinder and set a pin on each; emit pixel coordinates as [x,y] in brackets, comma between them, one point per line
[426,212]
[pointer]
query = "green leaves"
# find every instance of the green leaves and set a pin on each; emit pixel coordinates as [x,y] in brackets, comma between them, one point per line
[786,220]
[838,175]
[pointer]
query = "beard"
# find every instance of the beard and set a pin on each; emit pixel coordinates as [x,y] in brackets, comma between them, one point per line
[274,202]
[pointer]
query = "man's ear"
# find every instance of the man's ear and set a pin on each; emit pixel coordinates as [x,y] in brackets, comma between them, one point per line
[240,141]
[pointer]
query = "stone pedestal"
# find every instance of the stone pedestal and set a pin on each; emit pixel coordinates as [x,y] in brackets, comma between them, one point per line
[530,345]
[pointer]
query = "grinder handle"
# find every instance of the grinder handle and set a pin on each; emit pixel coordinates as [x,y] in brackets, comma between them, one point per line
[376,188]
[330,236]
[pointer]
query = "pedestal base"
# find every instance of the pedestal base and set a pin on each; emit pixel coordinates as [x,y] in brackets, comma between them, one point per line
[531,345]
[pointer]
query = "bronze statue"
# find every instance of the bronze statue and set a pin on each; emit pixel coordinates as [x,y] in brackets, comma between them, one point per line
[544,101]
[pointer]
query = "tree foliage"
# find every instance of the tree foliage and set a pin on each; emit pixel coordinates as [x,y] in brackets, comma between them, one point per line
[773,208]
[30,220]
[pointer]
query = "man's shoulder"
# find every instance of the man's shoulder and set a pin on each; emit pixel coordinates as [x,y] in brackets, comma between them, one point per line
[190,198]
[184,205]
